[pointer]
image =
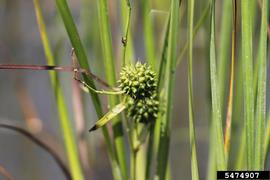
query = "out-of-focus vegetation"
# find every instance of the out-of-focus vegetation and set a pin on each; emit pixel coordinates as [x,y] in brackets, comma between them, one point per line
[207,70]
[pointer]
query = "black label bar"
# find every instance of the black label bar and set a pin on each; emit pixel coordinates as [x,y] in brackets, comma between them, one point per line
[243,174]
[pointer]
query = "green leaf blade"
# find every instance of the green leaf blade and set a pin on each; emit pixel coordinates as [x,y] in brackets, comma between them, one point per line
[216,107]
[247,66]
[261,91]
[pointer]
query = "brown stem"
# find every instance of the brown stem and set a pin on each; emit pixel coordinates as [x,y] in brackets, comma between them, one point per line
[40,143]
[54,68]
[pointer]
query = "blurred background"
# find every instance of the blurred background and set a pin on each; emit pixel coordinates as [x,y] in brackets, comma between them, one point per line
[27,98]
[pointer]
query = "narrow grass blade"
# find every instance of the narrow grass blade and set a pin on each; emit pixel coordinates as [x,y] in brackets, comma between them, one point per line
[261,91]
[163,150]
[247,67]
[211,167]
[149,40]
[192,135]
[227,138]
[197,27]
[69,138]
[154,136]
[239,163]
[109,116]
[224,50]
[216,107]
[106,42]
[267,137]
[128,56]
[82,58]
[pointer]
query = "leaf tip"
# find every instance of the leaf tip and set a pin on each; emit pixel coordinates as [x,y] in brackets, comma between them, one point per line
[95,127]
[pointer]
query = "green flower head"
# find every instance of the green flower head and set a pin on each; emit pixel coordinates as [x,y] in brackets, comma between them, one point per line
[143,110]
[138,81]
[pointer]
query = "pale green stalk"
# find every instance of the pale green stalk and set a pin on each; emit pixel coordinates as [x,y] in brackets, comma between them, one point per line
[128,56]
[261,91]
[82,58]
[224,50]
[267,137]
[163,150]
[65,123]
[154,136]
[216,107]
[149,40]
[192,135]
[106,43]
[248,81]
[197,27]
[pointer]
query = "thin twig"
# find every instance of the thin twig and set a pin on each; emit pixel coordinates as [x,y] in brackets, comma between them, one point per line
[98,91]
[40,143]
[54,68]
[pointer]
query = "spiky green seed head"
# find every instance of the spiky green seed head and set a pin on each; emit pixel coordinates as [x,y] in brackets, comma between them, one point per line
[138,81]
[143,110]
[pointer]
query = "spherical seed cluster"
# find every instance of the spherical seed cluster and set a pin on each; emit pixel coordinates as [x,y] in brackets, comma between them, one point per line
[143,110]
[138,81]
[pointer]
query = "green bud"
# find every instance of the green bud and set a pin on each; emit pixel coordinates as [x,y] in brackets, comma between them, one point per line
[140,77]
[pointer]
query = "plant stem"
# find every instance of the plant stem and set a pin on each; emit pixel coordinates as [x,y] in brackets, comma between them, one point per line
[163,150]
[224,51]
[149,40]
[261,91]
[133,164]
[127,56]
[69,138]
[134,152]
[197,27]
[230,100]
[82,58]
[216,107]
[247,66]
[106,43]
[192,136]
[125,39]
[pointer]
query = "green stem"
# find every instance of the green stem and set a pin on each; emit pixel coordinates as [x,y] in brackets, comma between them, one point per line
[69,138]
[247,66]
[163,150]
[200,22]
[133,164]
[126,28]
[216,107]
[126,37]
[99,91]
[224,50]
[194,162]
[148,34]
[82,58]
[261,91]
[106,42]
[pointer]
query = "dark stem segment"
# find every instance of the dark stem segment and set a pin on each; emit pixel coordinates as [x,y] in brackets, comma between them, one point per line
[53,68]
[36,67]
